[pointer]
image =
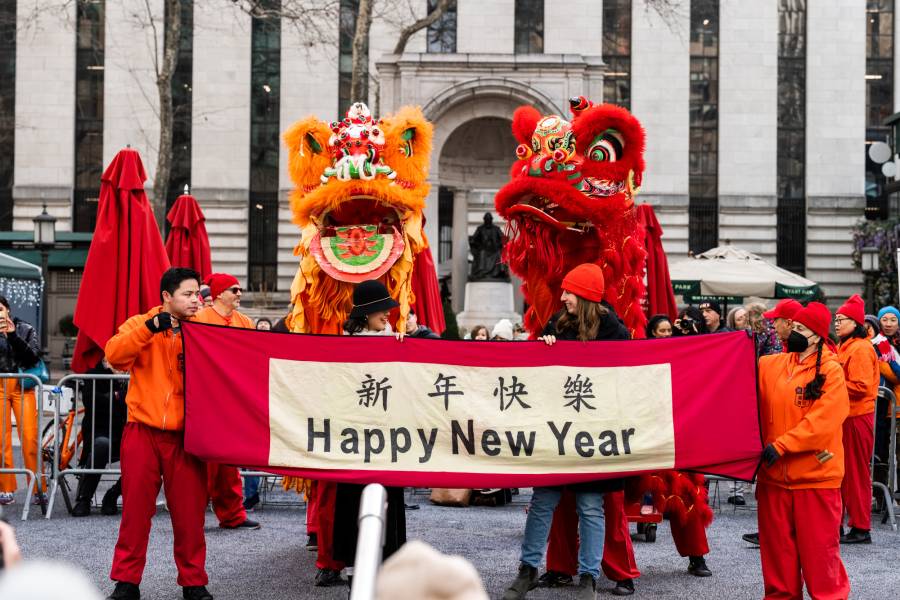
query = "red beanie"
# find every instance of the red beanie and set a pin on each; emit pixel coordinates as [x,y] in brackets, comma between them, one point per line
[786,309]
[585,281]
[219,282]
[817,319]
[854,308]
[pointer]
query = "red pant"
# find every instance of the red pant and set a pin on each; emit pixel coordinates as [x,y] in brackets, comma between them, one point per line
[223,483]
[325,496]
[151,457]
[798,537]
[856,488]
[312,513]
[618,554]
[690,537]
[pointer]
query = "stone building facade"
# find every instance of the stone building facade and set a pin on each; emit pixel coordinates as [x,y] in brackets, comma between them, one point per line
[468,84]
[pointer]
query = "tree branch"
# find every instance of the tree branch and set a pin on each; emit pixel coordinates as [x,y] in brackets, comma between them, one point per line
[430,18]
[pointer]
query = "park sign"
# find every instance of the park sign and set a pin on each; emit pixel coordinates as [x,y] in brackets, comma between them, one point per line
[432,413]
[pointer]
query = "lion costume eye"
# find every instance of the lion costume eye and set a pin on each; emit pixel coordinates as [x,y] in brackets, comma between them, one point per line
[607,147]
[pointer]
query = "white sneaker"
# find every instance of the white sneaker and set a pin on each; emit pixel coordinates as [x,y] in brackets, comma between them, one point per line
[6,498]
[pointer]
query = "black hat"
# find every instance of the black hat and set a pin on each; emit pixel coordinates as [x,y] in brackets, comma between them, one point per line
[371,297]
[711,305]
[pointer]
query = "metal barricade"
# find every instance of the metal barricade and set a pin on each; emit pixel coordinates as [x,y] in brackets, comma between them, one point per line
[887,491]
[67,431]
[370,542]
[5,425]
[264,490]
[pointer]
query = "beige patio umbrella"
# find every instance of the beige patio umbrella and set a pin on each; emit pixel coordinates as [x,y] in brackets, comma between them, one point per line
[732,273]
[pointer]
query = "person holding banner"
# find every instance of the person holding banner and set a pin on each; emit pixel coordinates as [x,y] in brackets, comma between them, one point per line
[370,316]
[803,403]
[860,363]
[585,318]
[223,482]
[150,347]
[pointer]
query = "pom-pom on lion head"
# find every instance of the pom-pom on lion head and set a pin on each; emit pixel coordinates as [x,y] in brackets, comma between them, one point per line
[360,192]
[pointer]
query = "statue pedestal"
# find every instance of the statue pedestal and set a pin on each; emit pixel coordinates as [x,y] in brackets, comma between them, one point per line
[486,303]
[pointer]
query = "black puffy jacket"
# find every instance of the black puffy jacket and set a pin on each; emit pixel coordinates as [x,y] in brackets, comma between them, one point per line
[19,349]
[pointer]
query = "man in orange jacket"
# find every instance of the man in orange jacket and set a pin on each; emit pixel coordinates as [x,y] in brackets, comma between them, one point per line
[861,373]
[150,348]
[803,404]
[223,482]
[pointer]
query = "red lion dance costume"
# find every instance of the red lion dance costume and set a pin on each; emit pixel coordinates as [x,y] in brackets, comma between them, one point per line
[570,201]
[360,192]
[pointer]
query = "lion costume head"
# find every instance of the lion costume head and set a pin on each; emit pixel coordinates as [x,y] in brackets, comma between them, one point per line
[570,200]
[360,192]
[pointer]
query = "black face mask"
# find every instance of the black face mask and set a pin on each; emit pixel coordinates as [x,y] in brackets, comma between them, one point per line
[797,342]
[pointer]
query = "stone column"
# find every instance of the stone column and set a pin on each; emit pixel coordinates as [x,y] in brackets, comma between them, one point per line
[460,272]
[45,113]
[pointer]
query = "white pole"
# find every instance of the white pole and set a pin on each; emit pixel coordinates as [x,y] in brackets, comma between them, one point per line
[898,269]
[372,514]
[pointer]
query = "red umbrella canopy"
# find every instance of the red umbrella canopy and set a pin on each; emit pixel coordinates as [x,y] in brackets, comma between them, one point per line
[660,297]
[125,262]
[188,244]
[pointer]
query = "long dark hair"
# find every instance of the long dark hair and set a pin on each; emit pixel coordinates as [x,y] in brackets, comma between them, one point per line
[858,332]
[586,321]
[693,313]
[813,389]
[355,325]
[653,323]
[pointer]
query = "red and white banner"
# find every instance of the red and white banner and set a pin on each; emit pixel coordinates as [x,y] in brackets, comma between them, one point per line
[431,413]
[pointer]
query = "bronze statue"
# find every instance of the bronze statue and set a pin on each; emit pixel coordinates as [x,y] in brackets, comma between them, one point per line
[486,245]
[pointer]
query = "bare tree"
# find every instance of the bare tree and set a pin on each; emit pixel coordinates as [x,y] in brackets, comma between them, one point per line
[165,70]
[360,59]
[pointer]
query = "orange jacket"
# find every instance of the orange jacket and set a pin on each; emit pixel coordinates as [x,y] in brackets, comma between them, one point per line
[237,319]
[800,429]
[155,360]
[861,373]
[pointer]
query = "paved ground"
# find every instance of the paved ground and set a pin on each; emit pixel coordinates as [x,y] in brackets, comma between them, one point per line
[272,562]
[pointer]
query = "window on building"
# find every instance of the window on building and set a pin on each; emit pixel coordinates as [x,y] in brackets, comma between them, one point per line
[617,52]
[529,27]
[182,85]
[347,29]
[791,145]
[703,204]
[265,97]
[7,110]
[89,64]
[879,96]
[445,224]
[441,35]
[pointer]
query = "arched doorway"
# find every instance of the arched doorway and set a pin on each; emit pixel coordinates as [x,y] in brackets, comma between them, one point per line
[473,164]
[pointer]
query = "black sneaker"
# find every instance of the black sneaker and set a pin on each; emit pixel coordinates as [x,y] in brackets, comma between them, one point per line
[245,524]
[312,542]
[328,578]
[737,500]
[587,587]
[526,580]
[751,538]
[623,588]
[251,502]
[82,507]
[554,579]
[856,536]
[195,592]
[110,504]
[125,591]
[697,567]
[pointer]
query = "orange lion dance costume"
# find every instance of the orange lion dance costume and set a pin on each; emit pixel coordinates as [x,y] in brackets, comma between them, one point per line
[570,200]
[359,200]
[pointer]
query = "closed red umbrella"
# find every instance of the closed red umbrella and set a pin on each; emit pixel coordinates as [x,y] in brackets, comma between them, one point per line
[188,244]
[125,262]
[660,297]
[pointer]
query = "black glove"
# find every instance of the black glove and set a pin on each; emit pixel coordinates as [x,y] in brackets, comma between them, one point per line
[770,455]
[160,322]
